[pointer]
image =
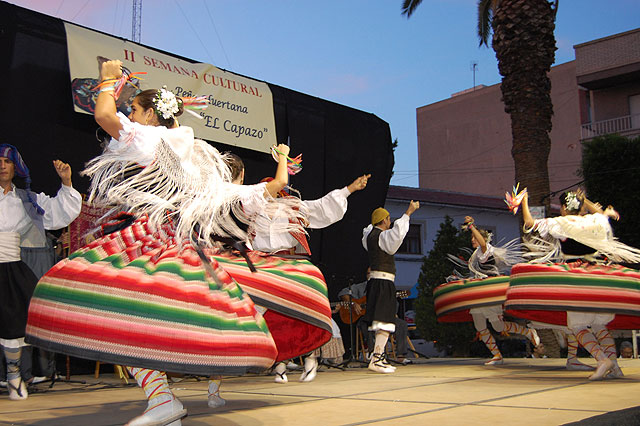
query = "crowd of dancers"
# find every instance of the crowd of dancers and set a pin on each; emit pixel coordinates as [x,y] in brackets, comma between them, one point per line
[194,272]
[564,276]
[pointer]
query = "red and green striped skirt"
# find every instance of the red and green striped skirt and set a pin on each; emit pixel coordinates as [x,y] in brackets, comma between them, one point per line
[454,299]
[136,298]
[295,294]
[545,292]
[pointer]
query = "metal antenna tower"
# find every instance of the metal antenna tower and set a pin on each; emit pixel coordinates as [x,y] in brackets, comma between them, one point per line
[474,68]
[136,21]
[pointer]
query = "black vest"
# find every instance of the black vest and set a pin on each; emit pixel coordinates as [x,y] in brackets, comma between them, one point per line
[379,260]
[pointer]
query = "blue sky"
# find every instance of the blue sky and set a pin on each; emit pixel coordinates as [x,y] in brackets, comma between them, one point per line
[360,53]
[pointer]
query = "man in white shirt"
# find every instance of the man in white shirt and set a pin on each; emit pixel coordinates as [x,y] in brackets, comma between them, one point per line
[381,242]
[25,216]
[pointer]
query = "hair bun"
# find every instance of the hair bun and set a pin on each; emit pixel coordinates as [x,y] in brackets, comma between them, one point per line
[180,107]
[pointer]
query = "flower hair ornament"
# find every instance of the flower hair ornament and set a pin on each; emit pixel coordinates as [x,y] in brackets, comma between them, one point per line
[166,104]
[571,201]
[489,237]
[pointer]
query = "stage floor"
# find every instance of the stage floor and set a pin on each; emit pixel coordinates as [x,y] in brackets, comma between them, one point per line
[444,391]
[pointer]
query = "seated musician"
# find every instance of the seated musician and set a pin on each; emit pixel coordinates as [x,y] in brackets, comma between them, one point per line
[356,294]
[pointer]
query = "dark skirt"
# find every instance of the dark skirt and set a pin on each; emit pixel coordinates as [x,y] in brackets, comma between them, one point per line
[17,283]
[381,301]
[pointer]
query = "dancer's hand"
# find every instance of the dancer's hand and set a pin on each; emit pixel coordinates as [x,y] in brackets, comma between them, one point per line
[413,206]
[283,149]
[359,183]
[111,70]
[611,213]
[64,171]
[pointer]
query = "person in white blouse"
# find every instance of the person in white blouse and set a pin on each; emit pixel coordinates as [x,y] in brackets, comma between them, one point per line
[25,217]
[317,214]
[271,238]
[486,261]
[382,242]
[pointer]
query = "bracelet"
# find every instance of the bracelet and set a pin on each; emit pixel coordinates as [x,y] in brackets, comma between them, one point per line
[108,89]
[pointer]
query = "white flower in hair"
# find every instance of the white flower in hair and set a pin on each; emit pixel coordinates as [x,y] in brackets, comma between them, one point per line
[571,201]
[166,103]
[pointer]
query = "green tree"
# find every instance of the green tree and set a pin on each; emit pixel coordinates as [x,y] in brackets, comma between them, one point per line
[525,45]
[436,267]
[611,169]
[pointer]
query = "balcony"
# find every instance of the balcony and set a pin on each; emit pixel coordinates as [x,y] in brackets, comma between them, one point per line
[628,125]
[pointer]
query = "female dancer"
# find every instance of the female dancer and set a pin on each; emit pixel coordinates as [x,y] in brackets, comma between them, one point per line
[287,285]
[582,243]
[486,261]
[145,295]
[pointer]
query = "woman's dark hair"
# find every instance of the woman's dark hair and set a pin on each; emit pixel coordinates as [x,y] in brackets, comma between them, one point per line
[235,163]
[563,201]
[146,100]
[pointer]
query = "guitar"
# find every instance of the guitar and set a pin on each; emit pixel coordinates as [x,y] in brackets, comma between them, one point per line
[348,318]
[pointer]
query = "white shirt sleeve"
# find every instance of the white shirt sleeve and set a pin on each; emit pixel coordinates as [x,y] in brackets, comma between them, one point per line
[327,210]
[391,239]
[136,142]
[62,209]
[483,257]
[253,198]
[547,226]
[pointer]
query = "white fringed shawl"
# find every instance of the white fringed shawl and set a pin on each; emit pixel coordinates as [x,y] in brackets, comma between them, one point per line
[183,179]
[505,256]
[592,230]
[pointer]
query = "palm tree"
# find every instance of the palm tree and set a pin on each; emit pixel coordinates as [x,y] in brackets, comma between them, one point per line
[525,47]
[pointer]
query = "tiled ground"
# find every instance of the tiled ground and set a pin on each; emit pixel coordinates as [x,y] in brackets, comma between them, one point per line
[437,391]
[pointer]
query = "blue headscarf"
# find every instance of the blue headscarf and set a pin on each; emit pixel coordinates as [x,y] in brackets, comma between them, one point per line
[21,170]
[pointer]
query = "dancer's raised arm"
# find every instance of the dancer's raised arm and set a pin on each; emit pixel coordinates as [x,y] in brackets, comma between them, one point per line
[105,112]
[281,179]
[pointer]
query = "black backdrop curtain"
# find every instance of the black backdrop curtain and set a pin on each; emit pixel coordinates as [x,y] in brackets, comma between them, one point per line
[338,143]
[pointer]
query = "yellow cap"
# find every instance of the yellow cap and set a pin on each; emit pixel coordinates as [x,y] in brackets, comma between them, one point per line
[378,215]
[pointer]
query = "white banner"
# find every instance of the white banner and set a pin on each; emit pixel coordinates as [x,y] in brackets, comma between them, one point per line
[240,111]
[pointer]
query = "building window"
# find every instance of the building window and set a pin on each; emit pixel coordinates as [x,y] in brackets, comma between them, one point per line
[412,243]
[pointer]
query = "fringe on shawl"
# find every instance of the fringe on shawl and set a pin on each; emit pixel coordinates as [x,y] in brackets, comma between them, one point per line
[505,256]
[592,230]
[194,196]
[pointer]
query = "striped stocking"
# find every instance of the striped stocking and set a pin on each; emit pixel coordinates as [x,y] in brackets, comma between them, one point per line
[215,400]
[590,343]
[17,388]
[609,347]
[605,341]
[155,386]
[573,363]
[490,342]
[529,333]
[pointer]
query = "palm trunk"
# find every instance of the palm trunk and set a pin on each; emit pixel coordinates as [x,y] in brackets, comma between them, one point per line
[525,48]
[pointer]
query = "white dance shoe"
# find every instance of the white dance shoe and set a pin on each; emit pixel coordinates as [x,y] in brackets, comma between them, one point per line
[163,413]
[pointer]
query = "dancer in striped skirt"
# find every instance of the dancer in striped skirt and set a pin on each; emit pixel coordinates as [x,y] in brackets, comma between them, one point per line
[291,290]
[486,261]
[581,289]
[144,294]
